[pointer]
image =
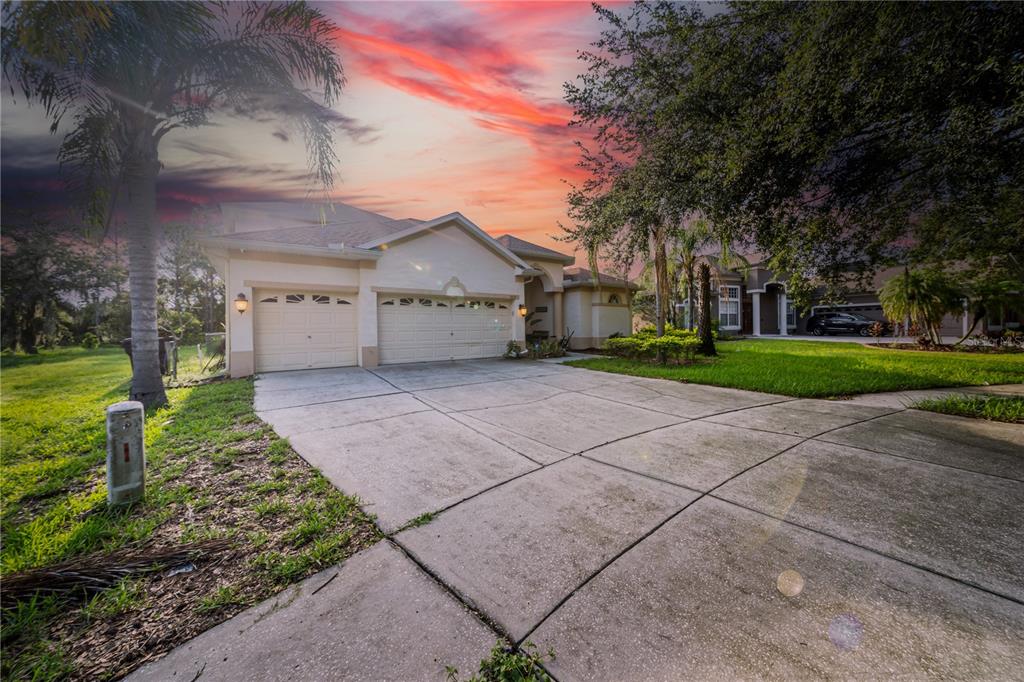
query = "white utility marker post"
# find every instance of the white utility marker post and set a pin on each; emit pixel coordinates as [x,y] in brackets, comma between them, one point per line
[126,453]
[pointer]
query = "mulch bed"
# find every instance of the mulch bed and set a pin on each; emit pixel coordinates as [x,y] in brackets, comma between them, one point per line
[962,348]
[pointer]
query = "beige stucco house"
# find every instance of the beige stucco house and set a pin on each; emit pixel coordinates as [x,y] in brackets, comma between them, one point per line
[331,286]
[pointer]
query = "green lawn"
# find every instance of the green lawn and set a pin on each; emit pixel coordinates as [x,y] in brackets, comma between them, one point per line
[213,470]
[820,369]
[994,408]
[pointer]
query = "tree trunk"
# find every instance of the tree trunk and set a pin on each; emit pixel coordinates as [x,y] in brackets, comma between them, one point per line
[29,334]
[689,297]
[209,303]
[660,282]
[140,198]
[704,331]
[978,312]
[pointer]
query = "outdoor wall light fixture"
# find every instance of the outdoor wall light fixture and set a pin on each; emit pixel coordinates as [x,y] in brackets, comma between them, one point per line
[241,304]
[522,310]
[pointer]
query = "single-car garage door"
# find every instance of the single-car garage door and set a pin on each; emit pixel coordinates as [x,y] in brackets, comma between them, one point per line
[304,329]
[416,329]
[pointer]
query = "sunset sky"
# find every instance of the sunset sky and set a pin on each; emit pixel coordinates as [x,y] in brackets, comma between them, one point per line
[450,106]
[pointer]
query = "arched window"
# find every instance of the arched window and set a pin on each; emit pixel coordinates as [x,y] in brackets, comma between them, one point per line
[613,298]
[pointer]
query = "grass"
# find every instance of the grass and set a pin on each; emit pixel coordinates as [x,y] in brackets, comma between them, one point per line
[818,369]
[213,470]
[993,408]
[509,664]
[421,520]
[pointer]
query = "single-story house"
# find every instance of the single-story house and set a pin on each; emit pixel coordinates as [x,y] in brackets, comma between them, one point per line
[334,285]
[753,302]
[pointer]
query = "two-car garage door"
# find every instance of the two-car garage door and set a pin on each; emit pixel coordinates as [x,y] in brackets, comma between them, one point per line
[309,329]
[416,329]
[304,329]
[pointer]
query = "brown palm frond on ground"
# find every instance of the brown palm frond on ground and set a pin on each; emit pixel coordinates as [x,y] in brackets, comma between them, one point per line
[91,574]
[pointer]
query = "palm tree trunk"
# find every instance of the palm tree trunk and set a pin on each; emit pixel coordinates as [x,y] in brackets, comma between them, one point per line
[974,325]
[690,308]
[140,180]
[704,331]
[660,281]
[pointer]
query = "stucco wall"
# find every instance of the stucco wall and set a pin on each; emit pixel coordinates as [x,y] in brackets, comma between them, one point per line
[610,319]
[430,260]
[577,314]
[592,319]
[553,271]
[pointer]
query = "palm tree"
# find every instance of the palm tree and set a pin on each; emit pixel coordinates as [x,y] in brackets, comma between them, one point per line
[704,331]
[923,296]
[129,73]
[688,245]
[987,297]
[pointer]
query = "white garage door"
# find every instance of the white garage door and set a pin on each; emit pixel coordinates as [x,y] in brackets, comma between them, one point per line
[416,329]
[304,329]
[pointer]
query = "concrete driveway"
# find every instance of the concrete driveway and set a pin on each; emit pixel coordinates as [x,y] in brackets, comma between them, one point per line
[642,529]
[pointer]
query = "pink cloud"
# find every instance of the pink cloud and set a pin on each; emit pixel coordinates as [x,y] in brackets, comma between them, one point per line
[500,63]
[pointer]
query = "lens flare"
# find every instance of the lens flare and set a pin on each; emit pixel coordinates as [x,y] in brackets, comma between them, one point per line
[790,583]
[846,631]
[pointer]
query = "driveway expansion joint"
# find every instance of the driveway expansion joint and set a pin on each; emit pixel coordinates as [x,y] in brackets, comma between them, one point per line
[871,550]
[462,599]
[912,459]
[326,402]
[708,493]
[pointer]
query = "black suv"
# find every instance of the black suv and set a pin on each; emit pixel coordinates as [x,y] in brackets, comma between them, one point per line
[841,323]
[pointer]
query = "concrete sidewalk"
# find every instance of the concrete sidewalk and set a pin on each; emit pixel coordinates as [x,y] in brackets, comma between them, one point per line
[642,529]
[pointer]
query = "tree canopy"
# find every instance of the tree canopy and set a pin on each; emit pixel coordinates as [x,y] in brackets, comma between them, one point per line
[829,137]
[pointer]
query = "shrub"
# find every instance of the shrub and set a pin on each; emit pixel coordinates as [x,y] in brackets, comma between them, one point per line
[513,349]
[670,330]
[672,347]
[625,346]
[89,340]
[548,348]
[676,346]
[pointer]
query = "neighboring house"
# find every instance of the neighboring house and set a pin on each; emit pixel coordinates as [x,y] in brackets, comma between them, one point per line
[753,301]
[330,286]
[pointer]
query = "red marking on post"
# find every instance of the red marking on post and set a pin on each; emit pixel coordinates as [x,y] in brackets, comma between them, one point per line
[126,457]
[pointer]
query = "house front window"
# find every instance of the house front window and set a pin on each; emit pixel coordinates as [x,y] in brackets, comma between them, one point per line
[729,307]
[790,315]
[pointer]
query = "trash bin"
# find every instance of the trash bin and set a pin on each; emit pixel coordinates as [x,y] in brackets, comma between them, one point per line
[126,344]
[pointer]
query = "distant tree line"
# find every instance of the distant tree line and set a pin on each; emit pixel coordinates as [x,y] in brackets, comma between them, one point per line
[61,287]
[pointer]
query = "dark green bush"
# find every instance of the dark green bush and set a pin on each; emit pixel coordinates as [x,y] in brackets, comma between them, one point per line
[670,330]
[676,346]
[89,340]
